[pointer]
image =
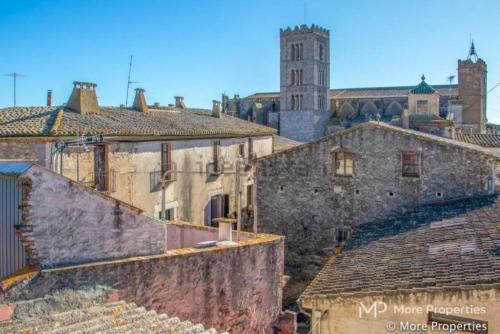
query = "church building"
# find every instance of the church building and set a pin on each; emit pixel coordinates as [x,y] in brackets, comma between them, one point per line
[306,109]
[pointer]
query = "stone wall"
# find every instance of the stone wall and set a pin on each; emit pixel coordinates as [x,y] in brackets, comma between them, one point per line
[234,288]
[300,197]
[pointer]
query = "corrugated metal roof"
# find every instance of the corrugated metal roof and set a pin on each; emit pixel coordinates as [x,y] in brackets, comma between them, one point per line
[14,167]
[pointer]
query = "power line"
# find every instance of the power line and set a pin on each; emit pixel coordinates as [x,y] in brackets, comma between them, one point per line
[14,76]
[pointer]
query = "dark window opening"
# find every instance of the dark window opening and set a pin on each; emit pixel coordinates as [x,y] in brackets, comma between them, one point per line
[219,207]
[390,193]
[410,164]
[249,195]
[341,235]
[166,161]
[250,148]
[101,172]
[169,214]
[241,149]
[216,156]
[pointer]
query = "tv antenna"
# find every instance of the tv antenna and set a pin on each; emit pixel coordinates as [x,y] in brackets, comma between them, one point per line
[14,76]
[450,79]
[128,80]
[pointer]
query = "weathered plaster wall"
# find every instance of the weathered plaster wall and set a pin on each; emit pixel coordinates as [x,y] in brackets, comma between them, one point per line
[237,289]
[343,314]
[74,224]
[131,165]
[300,197]
[432,103]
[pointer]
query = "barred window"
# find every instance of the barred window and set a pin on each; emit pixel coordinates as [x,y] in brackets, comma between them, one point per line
[410,164]
[343,163]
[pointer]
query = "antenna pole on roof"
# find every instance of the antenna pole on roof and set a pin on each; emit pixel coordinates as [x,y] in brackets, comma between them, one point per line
[128,80]
[14,76]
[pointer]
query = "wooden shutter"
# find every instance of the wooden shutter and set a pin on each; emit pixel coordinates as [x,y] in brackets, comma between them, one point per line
[166,160]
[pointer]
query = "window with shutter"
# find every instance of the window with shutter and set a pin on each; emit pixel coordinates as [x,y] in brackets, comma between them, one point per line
[216,156]
[101,172]
[410,164]
[166,161]
[343,163]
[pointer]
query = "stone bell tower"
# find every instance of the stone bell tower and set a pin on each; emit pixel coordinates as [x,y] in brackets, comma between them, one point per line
[304,82]
[472,74]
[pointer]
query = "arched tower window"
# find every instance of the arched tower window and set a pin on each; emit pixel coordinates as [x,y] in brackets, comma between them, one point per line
[293,52]
[301,51]
[321,52]
[293,102]
[301,77]
[293,77]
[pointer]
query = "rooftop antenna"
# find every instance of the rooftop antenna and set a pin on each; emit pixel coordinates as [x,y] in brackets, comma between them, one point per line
[128,80]
[472,51]
[14,76]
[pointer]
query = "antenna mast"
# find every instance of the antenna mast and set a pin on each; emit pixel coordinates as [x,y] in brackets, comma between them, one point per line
[128,80]
[14,76]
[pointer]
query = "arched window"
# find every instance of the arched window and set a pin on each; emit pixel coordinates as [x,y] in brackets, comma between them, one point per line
[321,52]
[293,102]
[293,77]
[301,51]
[297,52]
[293,52]
[301,77]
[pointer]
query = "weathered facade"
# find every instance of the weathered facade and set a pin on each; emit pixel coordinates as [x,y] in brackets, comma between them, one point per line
[463,104]
[426,271]
[317,192]
[77,237]
[127,152]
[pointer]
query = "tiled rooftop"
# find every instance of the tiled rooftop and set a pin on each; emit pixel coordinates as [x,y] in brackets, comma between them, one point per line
[438,246]
[370,92]
[115,121]
[118,317]
[484,140]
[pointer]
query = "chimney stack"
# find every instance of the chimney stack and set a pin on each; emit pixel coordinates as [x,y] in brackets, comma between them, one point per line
[179,102]
[216,109]
[49,98]
[140,101]
[83,99]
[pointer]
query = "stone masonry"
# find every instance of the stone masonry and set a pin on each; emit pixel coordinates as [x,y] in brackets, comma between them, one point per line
[301,197]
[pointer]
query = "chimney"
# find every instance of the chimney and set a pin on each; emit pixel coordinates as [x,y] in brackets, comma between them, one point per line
[83,99]
[179,102]
[140,101]
[49,98]
[216,109]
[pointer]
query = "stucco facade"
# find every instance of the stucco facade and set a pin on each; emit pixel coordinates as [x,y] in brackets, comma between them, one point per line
[134,165]
[405,312]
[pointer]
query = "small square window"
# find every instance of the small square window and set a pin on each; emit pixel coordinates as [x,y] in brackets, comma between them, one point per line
[343,163]
[341,235]
[410,164]
[422,106]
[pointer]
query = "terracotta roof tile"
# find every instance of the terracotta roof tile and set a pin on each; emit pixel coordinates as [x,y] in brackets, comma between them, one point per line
[485,140]
[442,245]
[59,121]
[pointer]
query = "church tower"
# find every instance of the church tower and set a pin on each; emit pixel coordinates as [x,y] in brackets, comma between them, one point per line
[304,82]
[472,92]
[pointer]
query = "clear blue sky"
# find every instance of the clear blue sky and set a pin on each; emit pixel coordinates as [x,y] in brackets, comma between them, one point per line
[200,49]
